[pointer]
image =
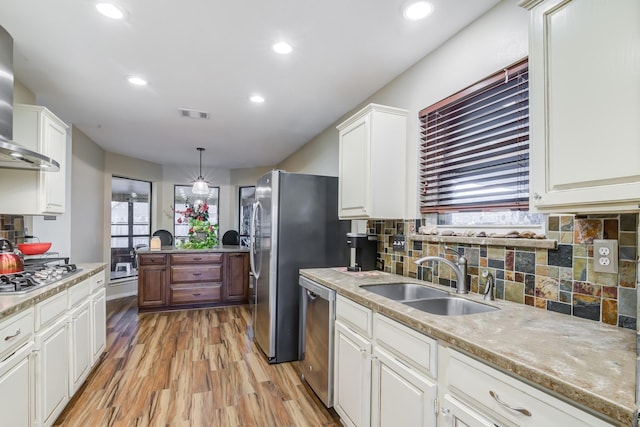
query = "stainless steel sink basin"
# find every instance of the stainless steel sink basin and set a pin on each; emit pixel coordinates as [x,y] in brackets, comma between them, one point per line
[450,306]
[404,291]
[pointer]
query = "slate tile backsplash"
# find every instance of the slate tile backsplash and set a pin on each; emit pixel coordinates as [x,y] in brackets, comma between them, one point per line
[12,228]
[560,280]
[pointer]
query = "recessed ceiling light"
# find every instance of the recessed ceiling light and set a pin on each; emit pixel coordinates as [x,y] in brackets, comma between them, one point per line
[417,10]
[256,98]
[282,48]
[110,10]
[138,81]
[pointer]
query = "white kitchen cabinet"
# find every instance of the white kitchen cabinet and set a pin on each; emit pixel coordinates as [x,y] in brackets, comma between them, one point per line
[17,366]
[28,192]
[400,395]
[352,377]
[459,414]
[52,376]
[372,160]
[17,405]
[584,105]
[80,345]
[98,316]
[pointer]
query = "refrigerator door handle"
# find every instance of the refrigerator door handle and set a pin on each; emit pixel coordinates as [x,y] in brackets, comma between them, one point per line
[252,240]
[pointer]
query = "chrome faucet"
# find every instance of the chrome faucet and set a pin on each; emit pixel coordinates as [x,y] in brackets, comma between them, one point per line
[459,267]
[489,286]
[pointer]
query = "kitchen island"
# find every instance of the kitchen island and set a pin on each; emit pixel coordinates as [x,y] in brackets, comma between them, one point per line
[174,278]
[584,363]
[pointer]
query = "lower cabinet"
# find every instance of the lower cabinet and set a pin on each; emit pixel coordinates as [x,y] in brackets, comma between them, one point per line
[98,324]
[52,370]
[17,405]
[352,377]
[379,379]
[400,395]
[236,287]
[80,346]
[387,375]
[152,286]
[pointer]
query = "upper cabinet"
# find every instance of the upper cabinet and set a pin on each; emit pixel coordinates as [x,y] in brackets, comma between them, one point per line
[372,163]
[584,67]
[26,192]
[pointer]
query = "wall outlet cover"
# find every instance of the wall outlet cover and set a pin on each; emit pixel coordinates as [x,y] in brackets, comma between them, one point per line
[605,256]
[399,242]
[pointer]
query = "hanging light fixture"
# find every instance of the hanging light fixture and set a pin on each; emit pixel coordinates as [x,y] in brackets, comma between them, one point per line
[200,186]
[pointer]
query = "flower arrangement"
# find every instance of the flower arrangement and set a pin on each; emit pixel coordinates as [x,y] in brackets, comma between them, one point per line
[202,234]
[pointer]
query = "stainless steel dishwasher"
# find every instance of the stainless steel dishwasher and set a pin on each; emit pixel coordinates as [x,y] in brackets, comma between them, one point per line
[317,316]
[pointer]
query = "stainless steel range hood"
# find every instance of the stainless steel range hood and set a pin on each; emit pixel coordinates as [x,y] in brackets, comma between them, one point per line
[13,155]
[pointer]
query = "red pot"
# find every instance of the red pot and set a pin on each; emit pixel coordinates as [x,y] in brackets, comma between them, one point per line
[34,248]
[10,261]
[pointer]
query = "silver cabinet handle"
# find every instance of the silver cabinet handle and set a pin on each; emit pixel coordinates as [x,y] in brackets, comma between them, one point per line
[523,411]
[10,337]
[196,274]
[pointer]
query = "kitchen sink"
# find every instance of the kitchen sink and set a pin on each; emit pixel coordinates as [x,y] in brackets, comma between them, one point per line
[404,291]
[450,306]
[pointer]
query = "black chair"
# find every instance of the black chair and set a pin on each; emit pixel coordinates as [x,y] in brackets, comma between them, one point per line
[231,237]
[166,238]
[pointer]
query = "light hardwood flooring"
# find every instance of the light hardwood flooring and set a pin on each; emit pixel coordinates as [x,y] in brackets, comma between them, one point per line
[189,368]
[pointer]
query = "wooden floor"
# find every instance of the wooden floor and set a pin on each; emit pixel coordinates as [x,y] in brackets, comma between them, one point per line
[189,368]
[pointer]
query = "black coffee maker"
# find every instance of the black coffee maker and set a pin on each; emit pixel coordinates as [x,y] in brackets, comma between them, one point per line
[366,246]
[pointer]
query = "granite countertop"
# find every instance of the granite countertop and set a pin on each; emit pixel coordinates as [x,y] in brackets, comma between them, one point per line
[583,361]
[174,250]
[14,303]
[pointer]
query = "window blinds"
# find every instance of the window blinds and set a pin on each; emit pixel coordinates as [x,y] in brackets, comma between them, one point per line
[474,151]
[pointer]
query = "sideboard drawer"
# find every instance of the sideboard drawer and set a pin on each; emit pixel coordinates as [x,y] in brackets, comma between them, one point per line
[196,294]
[188,274]
[197,258]
[155,259]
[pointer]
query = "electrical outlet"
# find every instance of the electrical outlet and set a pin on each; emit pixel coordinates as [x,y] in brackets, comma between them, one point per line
[605,256]
[399,242]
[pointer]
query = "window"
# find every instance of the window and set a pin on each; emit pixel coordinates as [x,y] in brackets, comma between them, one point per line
[182,197]
[474,151]
[245,209]
[130,223]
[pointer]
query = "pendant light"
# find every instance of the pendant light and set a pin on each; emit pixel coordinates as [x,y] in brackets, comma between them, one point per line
[200,186]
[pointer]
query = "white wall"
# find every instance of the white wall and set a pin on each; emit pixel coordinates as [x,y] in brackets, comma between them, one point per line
[87,188]
[495,40]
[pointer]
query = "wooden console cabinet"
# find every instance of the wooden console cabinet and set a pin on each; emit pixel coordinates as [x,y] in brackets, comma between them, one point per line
[192,279]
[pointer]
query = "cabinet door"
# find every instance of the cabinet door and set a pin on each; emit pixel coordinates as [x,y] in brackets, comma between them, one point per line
[354,170]
[53,184]
[52,371]
[80,345]
[352,377]
[585,104]
[99,324]
[457,414]
[17,388]
[236,285]
[400,395]
[152,286]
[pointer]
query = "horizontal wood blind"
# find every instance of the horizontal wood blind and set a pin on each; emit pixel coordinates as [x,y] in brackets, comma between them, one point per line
[474,151]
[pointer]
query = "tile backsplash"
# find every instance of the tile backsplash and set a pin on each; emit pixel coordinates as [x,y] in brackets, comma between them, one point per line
[12,228]
[561,280]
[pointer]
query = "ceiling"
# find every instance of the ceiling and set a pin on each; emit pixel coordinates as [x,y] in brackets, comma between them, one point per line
[211,55]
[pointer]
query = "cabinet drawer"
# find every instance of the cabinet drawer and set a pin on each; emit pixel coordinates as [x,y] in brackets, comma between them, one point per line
[184,274]
[477,382]
[79,292]
[205,258]
[50,309]
[155,259]
[15,330]
[97,281]
[355,315]
[411,346]
[196,294]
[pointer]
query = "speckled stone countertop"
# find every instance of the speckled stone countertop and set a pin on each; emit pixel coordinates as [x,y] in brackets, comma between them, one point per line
[174,250]
[11,304]
[583,361]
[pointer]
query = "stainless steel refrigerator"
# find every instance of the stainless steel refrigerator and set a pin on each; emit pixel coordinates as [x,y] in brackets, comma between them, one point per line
[295,225]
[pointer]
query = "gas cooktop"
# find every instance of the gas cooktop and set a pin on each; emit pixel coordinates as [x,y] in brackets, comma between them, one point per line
[34,277]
